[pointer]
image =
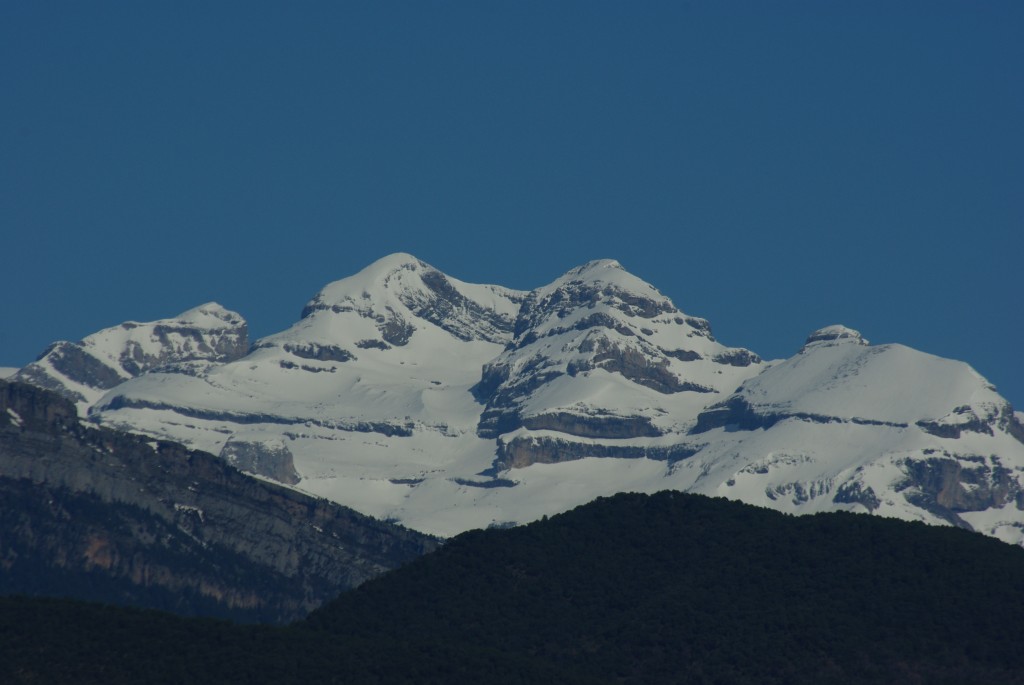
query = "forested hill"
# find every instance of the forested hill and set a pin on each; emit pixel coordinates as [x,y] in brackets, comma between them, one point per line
[669,588]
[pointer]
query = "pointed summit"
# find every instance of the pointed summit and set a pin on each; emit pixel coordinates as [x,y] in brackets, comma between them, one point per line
[595,265]
[389,264]
[601,283]
[600,278]
[370,283]
[209,314]
[396,290]
[396,259]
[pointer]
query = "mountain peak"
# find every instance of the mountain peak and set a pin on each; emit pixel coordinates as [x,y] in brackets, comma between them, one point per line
[373,282]
[209,314]
[836,334]
[396,260]
[595,266]
[600,277]
[384,300]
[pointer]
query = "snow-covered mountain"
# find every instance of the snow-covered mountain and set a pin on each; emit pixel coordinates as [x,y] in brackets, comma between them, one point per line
[367,394]
[600,354]
[410,395]
[883,428]
[83,371]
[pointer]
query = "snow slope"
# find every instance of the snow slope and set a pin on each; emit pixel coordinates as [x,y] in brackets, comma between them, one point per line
[885,429]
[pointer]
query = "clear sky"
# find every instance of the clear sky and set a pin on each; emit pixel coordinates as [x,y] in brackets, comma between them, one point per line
[772,166]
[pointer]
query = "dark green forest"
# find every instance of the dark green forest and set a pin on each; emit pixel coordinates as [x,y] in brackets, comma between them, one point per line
[669,588]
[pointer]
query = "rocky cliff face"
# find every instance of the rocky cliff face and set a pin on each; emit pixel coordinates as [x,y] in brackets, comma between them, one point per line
[104,515]
[269,458]
[522,449]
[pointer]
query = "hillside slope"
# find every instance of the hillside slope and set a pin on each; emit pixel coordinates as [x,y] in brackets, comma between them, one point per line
[669,588]
[96,514]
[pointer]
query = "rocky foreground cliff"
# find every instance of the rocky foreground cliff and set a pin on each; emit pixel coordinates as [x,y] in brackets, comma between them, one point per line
[98,514]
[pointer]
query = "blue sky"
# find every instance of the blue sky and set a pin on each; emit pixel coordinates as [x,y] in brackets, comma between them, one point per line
[773,167]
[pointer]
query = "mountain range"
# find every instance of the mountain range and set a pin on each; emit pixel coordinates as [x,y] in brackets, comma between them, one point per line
[412,396]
